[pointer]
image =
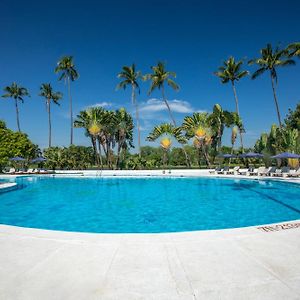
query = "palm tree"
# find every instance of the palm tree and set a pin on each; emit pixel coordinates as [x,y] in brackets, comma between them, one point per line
[231,72]
[130,76]
[17,93]
[197,126]
[166,132]
[294,49]
[92,121]
[269,61]
[123,135]
[66,67]
[218,120]
[47,92]
[158,78]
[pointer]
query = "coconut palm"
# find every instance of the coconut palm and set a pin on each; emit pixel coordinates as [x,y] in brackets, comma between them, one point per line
[231,72]
[130,76]
[17,93]
[159,78]
[269,61]
[66,67]
[166,132]
[294,49]
[47,92]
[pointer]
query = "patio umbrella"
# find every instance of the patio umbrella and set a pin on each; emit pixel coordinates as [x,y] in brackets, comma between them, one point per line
[286,155]
[251,155]
[17,158]
[227,155]
[38,160]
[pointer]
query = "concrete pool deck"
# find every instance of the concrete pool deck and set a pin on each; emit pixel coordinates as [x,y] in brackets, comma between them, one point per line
[261,262]
[246,263]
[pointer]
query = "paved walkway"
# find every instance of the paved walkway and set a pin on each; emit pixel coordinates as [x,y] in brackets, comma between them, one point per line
[248,263]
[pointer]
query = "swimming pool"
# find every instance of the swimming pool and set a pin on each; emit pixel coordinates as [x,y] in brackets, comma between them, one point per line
[147,205]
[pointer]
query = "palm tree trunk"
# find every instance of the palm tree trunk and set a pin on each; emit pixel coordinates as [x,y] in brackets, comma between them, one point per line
[17,112]
[100,152]
[276,101]
[93,140]
[238,113]
[187,159]
[167,104]
[49,120]
[205,155]
[71,111]
[133,97]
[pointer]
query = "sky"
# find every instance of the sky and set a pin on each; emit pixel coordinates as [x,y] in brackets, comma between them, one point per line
[193,38]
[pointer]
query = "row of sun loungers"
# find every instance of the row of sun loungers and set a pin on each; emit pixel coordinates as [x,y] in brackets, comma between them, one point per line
[13,171]
[261,171]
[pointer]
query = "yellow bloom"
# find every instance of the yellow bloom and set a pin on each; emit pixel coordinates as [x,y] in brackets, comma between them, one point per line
[200,133]
[94,129]
[166,143]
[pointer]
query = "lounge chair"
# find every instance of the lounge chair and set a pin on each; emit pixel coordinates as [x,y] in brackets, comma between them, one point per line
[271,171]
[262,171]
[258,172]
[11,171]
[216,170]
[245,171]
[224,170]
[294,173]
[285,171]
[233,171]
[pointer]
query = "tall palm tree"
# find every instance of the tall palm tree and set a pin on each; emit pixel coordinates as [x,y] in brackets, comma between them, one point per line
[17,93]
[294,49]
[231,72]
[166,132]
[269,61]
[159,78]
[66,67]
[47,92]
[130,76]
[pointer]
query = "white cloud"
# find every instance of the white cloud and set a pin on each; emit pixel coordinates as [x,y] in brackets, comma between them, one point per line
[157,105]
[101,104]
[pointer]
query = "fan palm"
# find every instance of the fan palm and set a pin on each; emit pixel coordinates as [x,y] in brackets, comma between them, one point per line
[17,93]
[231,72]
[269,61]
[123,135]
[92,123]
[159,78]
[47,92]
[66,67]
[130,76]
[197,127]
[166,132]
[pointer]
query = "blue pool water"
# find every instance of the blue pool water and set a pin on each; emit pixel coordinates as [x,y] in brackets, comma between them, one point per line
[111,205]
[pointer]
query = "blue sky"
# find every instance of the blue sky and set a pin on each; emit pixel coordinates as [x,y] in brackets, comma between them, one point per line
[192,37]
